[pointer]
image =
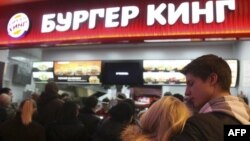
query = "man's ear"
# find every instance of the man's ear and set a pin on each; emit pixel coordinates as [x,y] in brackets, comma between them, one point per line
[213,78]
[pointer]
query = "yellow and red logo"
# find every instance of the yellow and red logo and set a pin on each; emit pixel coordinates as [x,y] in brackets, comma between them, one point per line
[18,25]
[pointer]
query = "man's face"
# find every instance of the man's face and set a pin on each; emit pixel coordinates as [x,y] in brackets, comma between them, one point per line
[10,93]
[198,90]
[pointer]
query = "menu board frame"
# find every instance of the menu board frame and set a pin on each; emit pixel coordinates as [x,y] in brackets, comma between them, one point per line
[236,80]
[175,70]
[164,72]
[78,71]
[43,71]
[121,76]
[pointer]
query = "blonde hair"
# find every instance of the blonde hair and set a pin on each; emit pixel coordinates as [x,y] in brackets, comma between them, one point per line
[27,108]
[164,119]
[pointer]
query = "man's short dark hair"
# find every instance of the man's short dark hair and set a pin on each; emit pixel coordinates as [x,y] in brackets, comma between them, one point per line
[204,66]
[91,102]
[167,94]
[5,90]
[69,110]
[179,96]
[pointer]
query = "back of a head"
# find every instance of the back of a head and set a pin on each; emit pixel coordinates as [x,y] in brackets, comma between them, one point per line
[131,103]
[51,88]
[27,108]
[167,94]
[165,118]
[121,96]
[91,102]
[64,95]
[179,96]
[122,112]
[5,99]
[5,90]
[69,110]
[105,101]
[204,66]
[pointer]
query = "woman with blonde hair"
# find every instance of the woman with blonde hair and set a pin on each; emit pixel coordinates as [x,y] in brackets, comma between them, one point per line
[22,127]
[164,119]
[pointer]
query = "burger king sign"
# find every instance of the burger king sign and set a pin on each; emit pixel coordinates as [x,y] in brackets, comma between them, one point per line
[18,25]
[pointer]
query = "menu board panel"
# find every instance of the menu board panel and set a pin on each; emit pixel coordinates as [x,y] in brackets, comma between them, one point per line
[87,72]
[42,72]
[164,72]
[43,76]
[233,64]
[167,72]
[42,66]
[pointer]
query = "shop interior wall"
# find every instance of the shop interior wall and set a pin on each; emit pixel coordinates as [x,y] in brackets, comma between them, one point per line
[170,51]
[242,52]
[25,59]
[228,50]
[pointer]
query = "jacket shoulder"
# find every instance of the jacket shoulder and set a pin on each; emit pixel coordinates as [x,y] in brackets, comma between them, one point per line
[205,127]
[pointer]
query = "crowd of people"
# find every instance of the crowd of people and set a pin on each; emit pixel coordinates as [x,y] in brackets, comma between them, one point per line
[201,116]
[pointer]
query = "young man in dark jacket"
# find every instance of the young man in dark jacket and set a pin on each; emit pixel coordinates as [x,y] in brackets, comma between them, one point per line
[208,89]
[68,128]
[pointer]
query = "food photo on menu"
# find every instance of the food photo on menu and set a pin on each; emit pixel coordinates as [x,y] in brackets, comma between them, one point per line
[164,72]
[164,78]
[43,76]
[78,71]
[42,66]
[164,65]
[42,72]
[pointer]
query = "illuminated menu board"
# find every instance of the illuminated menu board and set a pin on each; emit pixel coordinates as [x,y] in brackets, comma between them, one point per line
[42,71]
[164,72]
[87,72]
[167,72]
[233,64]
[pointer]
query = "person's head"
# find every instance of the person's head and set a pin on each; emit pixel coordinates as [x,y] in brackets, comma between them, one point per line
[131,103]
[5,99]
[51,88]
[105,103]
[122,112]
[65,97]
[6,91]
[35,96]
[167,94]
[27,109]
[207,77]
[91,102]
[70,110]
[245,99]
[121,97]
[179,96]
[165,118]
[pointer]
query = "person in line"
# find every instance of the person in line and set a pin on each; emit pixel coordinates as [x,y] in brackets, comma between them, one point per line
[179,96]
[6,91]
[68,128]
[65,97]
[110,129]
[167,94]
[244,97]
[88,116]
[208,88]
[7,112]
[35,96]
[103,112]
[22,127]
[164,119]
[49,104]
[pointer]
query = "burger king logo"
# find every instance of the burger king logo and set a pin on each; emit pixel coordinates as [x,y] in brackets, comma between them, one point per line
[18,25]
